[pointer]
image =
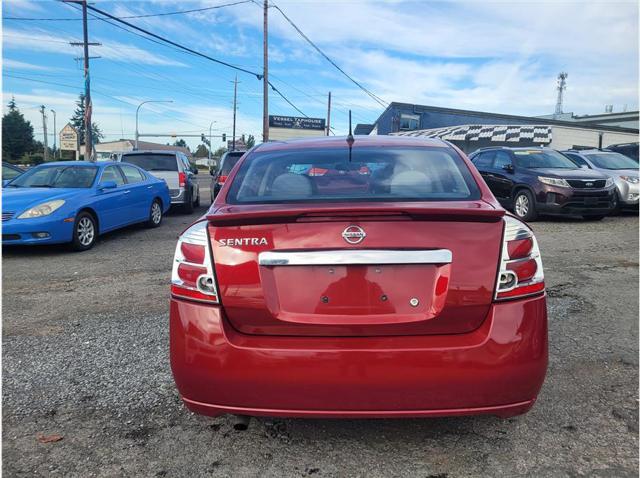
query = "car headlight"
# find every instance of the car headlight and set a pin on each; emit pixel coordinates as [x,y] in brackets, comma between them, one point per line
[608,183]
[554,181]
[41,210]
[630,179]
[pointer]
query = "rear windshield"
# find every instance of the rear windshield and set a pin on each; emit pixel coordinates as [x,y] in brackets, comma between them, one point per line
[542,159]
[152,162]
[372,174]
[229,162]
[611,161]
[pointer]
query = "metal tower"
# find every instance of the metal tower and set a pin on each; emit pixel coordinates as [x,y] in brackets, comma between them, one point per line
[562,85]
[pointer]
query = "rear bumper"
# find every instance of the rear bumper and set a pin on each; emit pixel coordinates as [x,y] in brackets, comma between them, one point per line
[497,369]
[178,196]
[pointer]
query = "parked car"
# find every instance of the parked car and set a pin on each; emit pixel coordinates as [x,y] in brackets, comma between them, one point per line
[9,172]
[622,169]
[227,162]
[628,149]
[532,181]
[416,296]
[174,168]
[74,202]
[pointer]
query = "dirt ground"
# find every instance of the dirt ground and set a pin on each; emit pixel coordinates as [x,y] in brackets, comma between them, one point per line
[85,356]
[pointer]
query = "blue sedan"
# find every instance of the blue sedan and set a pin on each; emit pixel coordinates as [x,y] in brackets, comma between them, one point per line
[75,201]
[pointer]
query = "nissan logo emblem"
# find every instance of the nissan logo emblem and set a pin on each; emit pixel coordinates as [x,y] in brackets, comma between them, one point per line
[354,234]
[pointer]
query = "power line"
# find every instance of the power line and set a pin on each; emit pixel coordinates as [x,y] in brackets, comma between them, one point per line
[181,12]
[171,42]
[368,92]
[194,52]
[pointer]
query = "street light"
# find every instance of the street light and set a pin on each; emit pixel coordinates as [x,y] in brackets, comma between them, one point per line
[138,110]
[55,135]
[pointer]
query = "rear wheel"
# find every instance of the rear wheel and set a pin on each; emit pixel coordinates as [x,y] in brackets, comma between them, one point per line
[197,201]
[188,204]
[85,232]
[155,214]
[524,206]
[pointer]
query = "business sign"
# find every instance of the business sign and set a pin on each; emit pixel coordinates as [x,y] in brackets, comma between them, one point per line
[68,138]
[296,122]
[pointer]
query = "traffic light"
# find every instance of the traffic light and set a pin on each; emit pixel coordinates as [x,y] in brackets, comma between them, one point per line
[202,138]
[224,137]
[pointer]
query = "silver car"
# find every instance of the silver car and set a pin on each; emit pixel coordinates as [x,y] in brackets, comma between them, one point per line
[174,168]
[622,169]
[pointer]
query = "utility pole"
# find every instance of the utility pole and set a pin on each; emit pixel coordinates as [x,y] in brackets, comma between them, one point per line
[44,128]
[55,135]
[88,136]
[235,97]
[88,139]
[265,77]
[329,115]
[210,145]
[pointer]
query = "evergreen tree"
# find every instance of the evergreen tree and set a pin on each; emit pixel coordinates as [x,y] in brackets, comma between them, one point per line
[17,134]
[77,121]
[251,141]
[201,152]
[182,143]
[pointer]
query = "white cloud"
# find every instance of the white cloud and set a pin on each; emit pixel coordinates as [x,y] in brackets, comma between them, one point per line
[33,40]
[21,65]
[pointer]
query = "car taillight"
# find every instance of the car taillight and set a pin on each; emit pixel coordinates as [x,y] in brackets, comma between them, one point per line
[182,179]
[521,271]
[192,275]
[222,179]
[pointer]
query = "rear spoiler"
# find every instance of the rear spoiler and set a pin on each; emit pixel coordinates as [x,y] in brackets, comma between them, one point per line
[472,211]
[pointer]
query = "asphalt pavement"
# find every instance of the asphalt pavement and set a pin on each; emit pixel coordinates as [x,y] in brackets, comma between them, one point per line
[85,364]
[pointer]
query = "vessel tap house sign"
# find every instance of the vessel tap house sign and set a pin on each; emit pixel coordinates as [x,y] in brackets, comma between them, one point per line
[289,127]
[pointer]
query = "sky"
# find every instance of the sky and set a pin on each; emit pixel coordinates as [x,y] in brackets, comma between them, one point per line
[495,56]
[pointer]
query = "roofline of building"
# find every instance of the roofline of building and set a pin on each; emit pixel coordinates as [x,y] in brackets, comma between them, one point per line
[571,124]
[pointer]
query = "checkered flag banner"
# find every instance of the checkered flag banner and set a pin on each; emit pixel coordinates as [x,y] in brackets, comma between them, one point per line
[474,132]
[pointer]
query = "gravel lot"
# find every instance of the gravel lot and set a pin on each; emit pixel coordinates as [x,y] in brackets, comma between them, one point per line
[85,356]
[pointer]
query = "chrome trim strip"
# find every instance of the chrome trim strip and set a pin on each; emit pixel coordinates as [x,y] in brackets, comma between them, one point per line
[355,257]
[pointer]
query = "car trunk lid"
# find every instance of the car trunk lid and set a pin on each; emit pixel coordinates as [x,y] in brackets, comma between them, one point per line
[340,270]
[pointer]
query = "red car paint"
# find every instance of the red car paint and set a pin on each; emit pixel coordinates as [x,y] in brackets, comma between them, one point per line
[353,340]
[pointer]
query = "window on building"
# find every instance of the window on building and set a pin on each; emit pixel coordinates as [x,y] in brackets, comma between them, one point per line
[409,122]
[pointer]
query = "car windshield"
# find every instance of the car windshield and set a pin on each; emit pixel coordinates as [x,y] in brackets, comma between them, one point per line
[152,162]
[9,172]
[611,161]
[371,174]
[536,159]
[60,176]
[229,162]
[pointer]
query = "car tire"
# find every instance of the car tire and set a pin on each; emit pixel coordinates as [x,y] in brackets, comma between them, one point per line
[524,206]
[616,204]
[188,204]
[155,214]
[594,218]
[85,232]
[197,202]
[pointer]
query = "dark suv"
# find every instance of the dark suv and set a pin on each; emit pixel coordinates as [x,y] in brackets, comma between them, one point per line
[630,150]
[227,162]
[530,181]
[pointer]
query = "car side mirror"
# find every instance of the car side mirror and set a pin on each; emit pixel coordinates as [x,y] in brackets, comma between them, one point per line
[107,185]
[508,168]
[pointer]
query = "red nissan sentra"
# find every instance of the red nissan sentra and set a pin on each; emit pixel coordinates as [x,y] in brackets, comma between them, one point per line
[377,280]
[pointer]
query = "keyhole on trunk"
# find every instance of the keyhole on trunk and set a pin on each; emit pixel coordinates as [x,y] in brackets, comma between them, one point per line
[324,299]
[383,298]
